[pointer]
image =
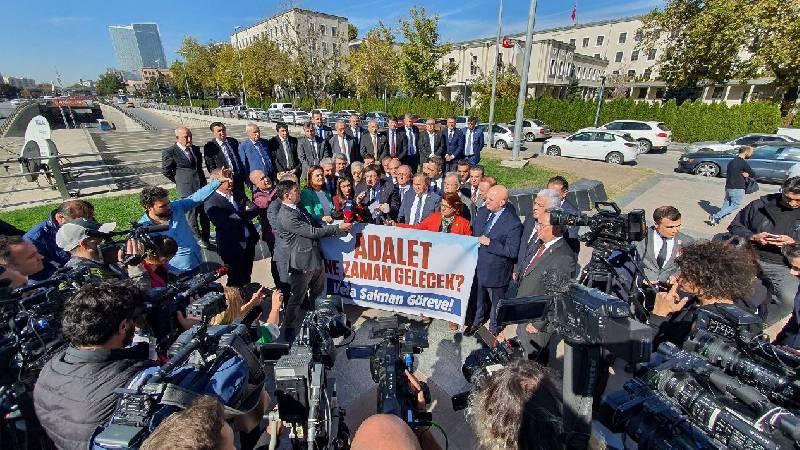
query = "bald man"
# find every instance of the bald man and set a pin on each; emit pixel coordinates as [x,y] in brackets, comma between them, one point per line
[389,432]
[183,165]
[498,229]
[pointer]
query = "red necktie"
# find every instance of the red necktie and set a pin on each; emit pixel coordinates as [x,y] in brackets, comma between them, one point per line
[534,259]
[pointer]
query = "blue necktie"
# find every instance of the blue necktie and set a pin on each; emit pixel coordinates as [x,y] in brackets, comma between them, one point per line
[264,158]
[488,226]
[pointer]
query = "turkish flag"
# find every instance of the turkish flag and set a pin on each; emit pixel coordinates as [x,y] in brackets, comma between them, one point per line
[574,11]
[506,43]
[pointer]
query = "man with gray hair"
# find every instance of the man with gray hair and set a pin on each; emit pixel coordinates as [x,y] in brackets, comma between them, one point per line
[451,185]
[343,143]
[183,165]
[329,172]
[372,143]
[255,152]
[544,201]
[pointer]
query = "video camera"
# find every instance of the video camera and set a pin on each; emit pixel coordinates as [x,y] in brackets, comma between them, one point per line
[139,232]
[388,362]
[609,227]
[482,364]
[216,360]
[306,394]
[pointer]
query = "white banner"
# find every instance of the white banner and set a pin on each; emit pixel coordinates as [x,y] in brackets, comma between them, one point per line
[402,270]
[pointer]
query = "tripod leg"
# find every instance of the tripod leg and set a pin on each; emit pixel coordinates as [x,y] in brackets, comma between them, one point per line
[581,371]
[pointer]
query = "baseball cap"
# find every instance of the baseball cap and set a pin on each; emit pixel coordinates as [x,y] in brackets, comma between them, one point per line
[71,234]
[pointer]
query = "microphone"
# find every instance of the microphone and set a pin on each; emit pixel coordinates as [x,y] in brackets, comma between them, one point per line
[156,228]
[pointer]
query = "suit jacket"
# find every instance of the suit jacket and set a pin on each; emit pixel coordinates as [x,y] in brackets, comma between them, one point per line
[454,146]
[215,159]
[308,156]
[387,194]
[433,223]
[186,173]
[432,203]
[325,133]
[648,255]
[477,145]
[496,260]
[381,147]
[350,147]
[408,158]
[425,149]
[255,158]
[399,139]
[559,257]
[409,192]
[231,224]
[301,238]
[282,164]
[356,135]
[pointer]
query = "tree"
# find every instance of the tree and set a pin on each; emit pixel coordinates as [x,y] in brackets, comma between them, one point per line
[352,32]
[110,83]
[507,85]
[265,67]
[8,91]
[420,54]
[369,71]
[200,66]
[227,76]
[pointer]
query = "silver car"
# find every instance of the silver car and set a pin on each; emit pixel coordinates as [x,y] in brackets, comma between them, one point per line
[533,129]
[503,135]
[296,117]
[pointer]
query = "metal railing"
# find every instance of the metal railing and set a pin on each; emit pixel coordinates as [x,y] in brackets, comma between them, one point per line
[212,112]
[11,117]
[143,123]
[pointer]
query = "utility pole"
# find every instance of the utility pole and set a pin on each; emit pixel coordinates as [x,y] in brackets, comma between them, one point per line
[241,68]
[186,79]
[600,100]
[494,73]
[465,97]
[523,82]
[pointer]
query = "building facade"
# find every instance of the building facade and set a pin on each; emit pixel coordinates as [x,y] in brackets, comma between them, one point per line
[137,45]
[326,34]
[20,82]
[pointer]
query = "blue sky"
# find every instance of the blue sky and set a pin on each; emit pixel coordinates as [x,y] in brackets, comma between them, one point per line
[38,38]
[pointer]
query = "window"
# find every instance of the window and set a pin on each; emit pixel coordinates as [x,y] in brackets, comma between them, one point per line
[600,40]
[614,126]
[618,57]
[642,93]
[585,42]
[746,140]
[660,93]
[322,30]
[615,72]
[473,65]
[452,60]
[325,48]
[638,36]
[499,61]
[572,42]
[631,73]
[623,37]
[790,154]
[635,55]
[651,54]
[552,67]
[582,137]
[648,73]
[765,152]
[333,31]
[718,92]
[605,137]
[597,55]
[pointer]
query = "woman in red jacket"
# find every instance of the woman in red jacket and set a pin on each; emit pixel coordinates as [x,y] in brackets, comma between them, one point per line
[448,220]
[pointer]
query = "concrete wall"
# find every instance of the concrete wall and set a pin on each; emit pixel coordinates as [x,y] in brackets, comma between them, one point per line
[21,120]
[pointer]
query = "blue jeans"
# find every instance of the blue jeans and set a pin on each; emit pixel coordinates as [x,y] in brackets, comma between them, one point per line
[733,199]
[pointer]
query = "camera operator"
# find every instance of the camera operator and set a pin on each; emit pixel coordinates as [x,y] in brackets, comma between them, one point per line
[518,407]
[153,271]
[82,239]
[20,256]
[710,272]
[662,245]
[75,390]
[201,426]
[790,334]
[43,235]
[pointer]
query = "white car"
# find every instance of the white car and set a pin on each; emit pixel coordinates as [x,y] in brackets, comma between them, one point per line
[296,117]
[16,101]
[753,139]
[325,112]
[276,110]
[503,135]
[649,135]
[348,112]
[256,114]
[533,129]
[612,147]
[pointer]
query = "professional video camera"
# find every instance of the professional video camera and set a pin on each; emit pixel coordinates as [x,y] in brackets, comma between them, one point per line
[306,394]
[217,360]
[388,362]
[139,232]
[30,334]
[609,228]
[482,363]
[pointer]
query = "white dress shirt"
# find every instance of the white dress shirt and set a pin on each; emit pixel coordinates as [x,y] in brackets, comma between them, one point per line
[658,241]
[418,202]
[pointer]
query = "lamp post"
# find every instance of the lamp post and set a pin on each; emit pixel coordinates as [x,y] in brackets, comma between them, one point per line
[523,82]
[494,72]
[464,95]
[241,68]
[186,79]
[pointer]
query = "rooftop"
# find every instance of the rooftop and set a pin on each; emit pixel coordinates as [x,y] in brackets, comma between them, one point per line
[299,10]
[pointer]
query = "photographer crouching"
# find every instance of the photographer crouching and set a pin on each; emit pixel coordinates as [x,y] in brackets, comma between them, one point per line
[75,390]
[710,273]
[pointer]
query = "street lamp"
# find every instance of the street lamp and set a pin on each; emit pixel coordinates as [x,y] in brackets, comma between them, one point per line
[186,78]
[241,68]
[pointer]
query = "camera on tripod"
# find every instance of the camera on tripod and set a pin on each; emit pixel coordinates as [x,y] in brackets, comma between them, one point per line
[138,232]
[388,362]
[608,227]
[306,394]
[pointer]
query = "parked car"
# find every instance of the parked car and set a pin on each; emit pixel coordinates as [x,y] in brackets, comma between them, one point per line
[649,135]
[752,139]
[16,101]
[612,147]
[130,105]
[256,114]
[770,162]
[347,112]
[325,112]
[381,117]
[296,117]
[104,125]
[280,107]
[461,121]
[503,135]
[533,129]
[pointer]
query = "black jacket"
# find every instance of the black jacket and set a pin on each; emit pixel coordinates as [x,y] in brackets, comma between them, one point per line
[759,216]
[75,390]
[215,159]
[231,224]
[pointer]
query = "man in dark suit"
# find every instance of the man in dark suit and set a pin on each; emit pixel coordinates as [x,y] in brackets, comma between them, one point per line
[498,229]
[473,141]
[663,245]
[311,149]
[560,185]
[301,238]
[236,235]
[415,208]
[283,150]
[182,164]
[378,196]
[355,130]
[222,152]
[431,143]
[255,152]
[453,144]
[320,129]
[404,183]
[395,141]
[373,143]
[342,143]
[411,137]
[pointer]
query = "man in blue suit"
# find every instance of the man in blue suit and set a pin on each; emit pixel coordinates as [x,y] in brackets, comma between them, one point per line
[454,144]
[498,230]
[473,141]
[254,152]
[415,208]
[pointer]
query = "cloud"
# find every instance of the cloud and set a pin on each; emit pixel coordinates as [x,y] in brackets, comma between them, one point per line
[66,20]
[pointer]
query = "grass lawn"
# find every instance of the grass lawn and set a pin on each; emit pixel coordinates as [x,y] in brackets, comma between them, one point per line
[529,176]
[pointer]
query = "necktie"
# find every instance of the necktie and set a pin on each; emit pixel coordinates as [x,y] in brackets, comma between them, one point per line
[374,143]
[535,258]
[264,158]
[488,226]
[286,153]
[315,159]
[189,154]
[319,132]
[449,135]
[391,143]
[341,148]
[474,195]
[229,156]
[410,136]
[371,194]
[662,253]
[468,151]
[417,217]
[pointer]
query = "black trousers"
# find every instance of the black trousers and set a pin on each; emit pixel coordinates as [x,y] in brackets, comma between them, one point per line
[198,220]
[240,265]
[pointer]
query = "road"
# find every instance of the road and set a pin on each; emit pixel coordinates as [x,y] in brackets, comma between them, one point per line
[153,118]
[5,110]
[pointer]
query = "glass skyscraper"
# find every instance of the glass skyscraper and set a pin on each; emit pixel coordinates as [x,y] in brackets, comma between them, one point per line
[137,45]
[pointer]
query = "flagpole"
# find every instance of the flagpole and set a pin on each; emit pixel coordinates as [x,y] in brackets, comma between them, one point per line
[494,74]
[523,82]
